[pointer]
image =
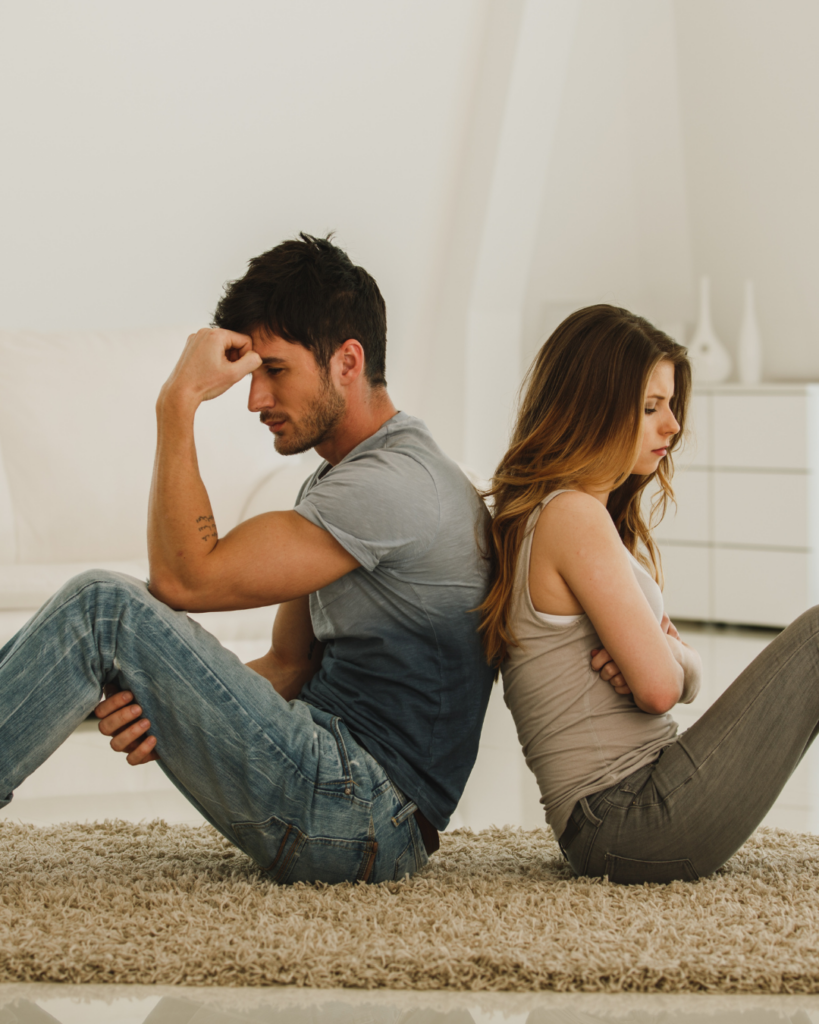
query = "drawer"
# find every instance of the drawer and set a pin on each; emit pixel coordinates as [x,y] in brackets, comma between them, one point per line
[687,573]
[691,521]
[760,588]
[760,431]
[769,509]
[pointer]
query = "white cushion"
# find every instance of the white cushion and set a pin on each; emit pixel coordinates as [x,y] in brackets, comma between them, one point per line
[25,588]
[77,431]
[277,492]
[29,586]
[8,543]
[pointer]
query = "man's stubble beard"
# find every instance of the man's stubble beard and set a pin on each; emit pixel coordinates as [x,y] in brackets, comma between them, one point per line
[317,426]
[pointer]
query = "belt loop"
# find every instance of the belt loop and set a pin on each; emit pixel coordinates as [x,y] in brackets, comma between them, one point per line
[404,813]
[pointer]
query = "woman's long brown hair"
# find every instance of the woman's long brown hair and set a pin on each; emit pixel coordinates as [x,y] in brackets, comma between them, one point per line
[579,423]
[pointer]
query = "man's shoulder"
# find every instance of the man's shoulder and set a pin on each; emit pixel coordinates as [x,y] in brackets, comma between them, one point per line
[398,469]
[403,435]
[401,448]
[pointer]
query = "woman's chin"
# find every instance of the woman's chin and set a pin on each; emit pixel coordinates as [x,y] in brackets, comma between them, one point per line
[647,466]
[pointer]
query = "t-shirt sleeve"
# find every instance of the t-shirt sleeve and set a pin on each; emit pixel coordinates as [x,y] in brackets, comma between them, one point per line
[381,506]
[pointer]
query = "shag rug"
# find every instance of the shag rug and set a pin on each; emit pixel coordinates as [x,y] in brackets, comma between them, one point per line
[494,911]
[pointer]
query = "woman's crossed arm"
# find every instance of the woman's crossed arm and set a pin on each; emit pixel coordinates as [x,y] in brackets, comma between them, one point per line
[578,564]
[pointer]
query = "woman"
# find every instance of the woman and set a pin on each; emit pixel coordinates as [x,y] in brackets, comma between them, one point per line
[591,664]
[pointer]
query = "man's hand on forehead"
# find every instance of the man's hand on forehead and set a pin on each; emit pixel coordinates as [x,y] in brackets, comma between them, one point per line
[212,361]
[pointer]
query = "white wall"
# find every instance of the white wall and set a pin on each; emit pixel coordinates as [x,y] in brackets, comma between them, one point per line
[614,226]
[150,149]
[607,223]
[749,82]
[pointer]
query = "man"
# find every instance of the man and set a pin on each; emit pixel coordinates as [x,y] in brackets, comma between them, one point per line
[339,754]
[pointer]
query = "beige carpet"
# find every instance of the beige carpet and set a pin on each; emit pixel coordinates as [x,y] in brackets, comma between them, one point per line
[498,910]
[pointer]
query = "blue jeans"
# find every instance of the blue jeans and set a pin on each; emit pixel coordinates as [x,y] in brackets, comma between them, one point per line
[685,814]
[285,782]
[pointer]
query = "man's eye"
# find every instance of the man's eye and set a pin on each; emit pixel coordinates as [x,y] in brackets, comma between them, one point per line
[274,371]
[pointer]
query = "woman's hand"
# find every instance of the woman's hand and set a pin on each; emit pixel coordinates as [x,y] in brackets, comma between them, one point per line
[601,661]
[609,672]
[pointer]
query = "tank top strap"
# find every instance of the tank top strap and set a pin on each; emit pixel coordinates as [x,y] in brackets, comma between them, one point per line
[522,604]
[553,494]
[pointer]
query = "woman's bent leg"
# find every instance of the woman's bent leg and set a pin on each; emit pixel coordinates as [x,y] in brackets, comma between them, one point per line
[685,815]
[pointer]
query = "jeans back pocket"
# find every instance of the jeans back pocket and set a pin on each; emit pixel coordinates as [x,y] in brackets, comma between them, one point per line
[289,855]
[627,871]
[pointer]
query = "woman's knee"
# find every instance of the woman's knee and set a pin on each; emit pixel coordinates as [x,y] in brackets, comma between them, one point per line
[807,622]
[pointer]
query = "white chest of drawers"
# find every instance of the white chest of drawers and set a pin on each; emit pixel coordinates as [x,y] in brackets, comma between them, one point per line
[744,543]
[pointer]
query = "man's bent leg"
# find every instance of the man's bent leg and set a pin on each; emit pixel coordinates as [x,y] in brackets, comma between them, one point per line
[283,787]
[50,679]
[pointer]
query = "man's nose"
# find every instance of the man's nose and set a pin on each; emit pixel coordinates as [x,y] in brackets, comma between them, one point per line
[260,396]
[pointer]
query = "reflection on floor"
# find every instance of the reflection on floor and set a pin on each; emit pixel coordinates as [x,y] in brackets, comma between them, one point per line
[84,780]
[144,1004]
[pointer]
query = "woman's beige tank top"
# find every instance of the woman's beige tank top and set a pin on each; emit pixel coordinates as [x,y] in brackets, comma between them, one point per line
[578,735]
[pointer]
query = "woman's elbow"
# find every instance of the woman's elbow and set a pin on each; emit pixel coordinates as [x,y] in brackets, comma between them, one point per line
[655,705]
[659,698]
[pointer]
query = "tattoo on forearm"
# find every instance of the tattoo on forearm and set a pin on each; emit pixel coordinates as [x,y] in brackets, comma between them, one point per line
[207,529]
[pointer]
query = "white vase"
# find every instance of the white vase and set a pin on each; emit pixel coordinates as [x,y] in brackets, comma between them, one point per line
[750,341]
[710,360]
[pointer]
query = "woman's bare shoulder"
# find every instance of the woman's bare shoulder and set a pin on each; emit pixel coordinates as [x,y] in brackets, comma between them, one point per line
[574,535]
[575,512]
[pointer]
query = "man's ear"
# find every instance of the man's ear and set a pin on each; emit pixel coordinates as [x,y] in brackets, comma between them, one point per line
[349,358]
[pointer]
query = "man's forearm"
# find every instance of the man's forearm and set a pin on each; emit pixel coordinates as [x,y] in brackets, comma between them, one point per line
[181,527]
[286,678]
[295,654]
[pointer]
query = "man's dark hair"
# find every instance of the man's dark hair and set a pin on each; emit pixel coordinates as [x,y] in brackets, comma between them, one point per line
[309,291]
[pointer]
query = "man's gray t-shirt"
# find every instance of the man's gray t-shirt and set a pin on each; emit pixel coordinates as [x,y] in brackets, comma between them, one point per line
[403,667]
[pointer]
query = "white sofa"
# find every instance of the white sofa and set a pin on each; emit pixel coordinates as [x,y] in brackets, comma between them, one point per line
[77,433]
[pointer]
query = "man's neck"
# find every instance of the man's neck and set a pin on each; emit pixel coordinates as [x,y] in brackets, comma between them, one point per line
[358,423]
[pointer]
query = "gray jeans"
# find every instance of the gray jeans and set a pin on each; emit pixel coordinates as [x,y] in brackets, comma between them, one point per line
[686,813]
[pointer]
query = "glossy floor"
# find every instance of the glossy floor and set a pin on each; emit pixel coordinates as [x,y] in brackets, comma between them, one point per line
[145,1004]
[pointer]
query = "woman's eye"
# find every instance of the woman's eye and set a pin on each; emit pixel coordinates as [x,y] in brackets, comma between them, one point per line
[649,411]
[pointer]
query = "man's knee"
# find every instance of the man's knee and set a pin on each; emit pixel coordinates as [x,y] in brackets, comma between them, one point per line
[103,580]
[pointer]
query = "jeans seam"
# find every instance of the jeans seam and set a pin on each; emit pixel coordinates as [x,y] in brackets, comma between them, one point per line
[589,819]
